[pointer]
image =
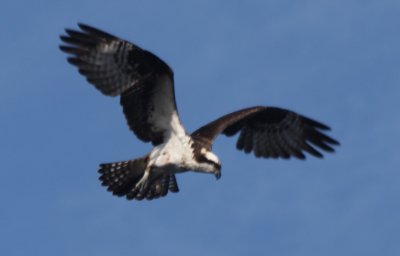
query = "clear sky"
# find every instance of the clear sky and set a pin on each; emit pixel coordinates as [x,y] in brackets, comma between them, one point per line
[335,61]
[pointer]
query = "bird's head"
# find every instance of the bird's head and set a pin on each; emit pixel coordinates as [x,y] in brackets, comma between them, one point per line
[211,162]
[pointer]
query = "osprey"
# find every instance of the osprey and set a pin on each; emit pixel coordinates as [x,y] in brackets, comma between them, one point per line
[145,85]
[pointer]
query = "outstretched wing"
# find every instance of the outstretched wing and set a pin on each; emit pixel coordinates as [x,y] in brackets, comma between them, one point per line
[118,67]
[270,132]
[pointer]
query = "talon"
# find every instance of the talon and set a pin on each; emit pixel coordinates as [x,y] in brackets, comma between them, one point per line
[142,183]
[141,186]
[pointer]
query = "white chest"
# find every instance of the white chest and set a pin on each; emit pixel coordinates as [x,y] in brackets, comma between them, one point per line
[176,153]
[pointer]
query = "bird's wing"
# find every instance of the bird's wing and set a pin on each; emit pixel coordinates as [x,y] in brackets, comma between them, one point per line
[270,132]
[118,67]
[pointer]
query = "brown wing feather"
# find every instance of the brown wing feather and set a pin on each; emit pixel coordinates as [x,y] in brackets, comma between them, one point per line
[206,134]
[270,132]
[118,67]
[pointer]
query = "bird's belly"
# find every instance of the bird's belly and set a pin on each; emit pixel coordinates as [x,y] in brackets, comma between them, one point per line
[173,155]
[168,169]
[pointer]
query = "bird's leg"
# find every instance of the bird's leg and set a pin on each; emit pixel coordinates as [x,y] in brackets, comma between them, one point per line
[143,182]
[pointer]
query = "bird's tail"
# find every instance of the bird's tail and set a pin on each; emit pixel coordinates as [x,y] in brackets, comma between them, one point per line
[121,178]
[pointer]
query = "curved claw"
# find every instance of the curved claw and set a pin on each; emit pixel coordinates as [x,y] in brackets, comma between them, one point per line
[143,182]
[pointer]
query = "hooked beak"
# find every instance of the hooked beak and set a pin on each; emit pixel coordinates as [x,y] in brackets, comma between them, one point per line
[217,173]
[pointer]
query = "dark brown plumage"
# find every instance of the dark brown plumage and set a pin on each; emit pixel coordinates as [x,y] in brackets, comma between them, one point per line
[269,132]
[118,67]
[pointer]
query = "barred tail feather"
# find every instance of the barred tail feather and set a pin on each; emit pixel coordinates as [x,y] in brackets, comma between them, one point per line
[120,178]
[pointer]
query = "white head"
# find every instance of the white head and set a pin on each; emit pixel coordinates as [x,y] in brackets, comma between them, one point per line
[210,162]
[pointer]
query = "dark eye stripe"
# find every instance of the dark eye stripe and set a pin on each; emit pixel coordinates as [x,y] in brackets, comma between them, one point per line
[206,160]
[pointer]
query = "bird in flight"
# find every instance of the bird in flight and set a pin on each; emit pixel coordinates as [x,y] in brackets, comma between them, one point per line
[145,84]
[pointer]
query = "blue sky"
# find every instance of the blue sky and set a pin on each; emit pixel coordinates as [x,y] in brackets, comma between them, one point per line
[335,61]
